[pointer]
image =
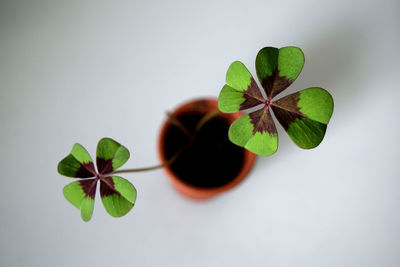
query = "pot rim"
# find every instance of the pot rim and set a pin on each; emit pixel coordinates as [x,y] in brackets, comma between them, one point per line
[205,105]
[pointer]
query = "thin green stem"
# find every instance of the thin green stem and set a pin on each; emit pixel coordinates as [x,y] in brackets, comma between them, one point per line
[155,167]
[206,118]
[173,120]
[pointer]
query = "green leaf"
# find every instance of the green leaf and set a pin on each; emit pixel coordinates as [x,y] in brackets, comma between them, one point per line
[230,99]
[266,67]
[110,155]
[305,115]
[240,91]
[238,76]
[77,164]
[81,194]
[316,103]
[118,195]
[87,208]
[73,192]
[256,132]
[290,62]
[278,68]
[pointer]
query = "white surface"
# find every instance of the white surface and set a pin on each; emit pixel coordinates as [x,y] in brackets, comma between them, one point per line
[79,70]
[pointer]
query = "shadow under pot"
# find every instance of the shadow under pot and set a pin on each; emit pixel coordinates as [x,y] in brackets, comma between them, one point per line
[206,163]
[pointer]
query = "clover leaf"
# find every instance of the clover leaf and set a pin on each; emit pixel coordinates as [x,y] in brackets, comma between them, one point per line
[117,194]
[304,115]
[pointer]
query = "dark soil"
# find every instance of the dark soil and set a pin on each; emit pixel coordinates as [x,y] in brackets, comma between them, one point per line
[211,160]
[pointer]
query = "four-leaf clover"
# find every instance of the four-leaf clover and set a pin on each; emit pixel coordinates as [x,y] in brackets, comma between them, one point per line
[117,194]
[304,115]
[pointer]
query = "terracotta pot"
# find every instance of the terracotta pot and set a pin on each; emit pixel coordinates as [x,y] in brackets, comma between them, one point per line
[206,105]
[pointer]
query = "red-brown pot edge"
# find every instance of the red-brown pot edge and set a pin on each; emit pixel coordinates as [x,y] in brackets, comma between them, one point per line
[202,105]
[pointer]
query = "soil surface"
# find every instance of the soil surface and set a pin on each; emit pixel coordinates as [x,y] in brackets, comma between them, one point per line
[210,159]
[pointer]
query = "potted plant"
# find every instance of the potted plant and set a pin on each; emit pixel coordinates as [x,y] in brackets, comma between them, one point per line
[207,146]
[205,162]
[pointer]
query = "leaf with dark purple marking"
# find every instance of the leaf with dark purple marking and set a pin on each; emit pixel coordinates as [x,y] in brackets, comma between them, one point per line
[305,115]
[81,194]
[110,155]
[87,208]
[118,195]
[278,68]
[240,91]
[77,164]
[255,132]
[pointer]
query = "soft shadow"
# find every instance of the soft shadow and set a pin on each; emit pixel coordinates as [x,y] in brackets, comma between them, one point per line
[334,61]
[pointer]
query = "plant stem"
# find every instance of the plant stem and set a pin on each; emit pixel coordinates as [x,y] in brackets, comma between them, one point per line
[155,167]
[206,118]
[173,120]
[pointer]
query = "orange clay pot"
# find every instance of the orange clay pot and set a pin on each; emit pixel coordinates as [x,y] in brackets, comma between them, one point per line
[206,105]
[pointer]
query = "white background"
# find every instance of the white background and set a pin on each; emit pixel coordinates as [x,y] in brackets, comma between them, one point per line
[76,71]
